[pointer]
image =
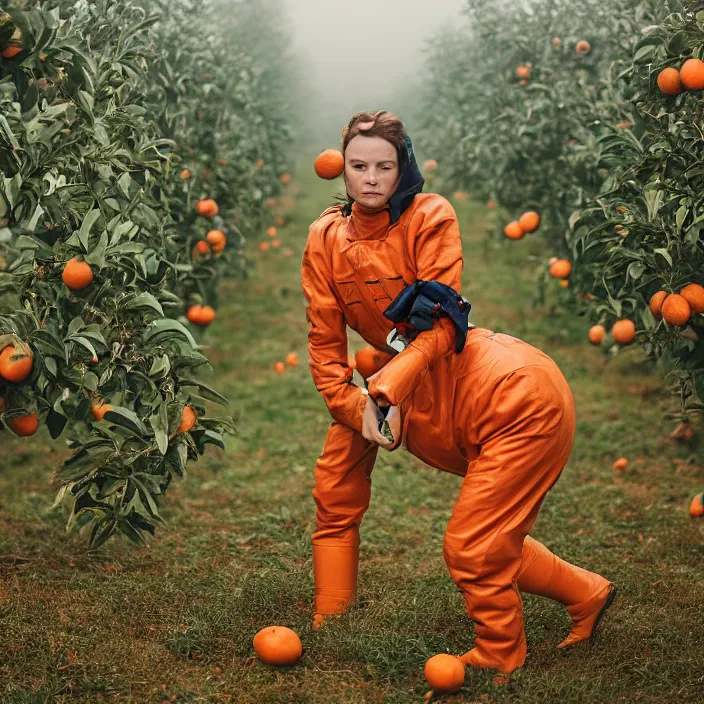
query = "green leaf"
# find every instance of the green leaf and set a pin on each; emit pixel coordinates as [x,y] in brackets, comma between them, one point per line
[145,300]
[88,222]
[160,425]
[126,418]
[204,391]
[664,253]
[165,326]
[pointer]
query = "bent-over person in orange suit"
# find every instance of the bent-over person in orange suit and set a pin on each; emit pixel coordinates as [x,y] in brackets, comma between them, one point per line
[499,413]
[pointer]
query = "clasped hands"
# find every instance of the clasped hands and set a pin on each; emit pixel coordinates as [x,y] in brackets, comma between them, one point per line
[376,412]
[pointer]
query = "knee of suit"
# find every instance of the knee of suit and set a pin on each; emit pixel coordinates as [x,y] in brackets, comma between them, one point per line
[463,562]
[341,506]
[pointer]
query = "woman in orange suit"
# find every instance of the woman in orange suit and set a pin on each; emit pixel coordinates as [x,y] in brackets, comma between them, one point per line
[499,413]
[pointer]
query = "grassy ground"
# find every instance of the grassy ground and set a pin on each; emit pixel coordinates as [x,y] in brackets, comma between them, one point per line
[174,621]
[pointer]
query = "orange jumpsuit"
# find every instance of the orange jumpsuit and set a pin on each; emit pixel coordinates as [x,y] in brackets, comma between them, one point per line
[500,414]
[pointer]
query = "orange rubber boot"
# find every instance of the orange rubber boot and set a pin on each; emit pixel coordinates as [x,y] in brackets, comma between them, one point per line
[586,594]
[335,576]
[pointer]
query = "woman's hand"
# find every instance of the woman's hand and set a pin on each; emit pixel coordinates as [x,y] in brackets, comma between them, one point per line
[370,424]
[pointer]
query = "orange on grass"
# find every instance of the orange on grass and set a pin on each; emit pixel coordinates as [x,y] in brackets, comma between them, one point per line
[99,410]
[669,81]
[523,71]
[207,207]
[460,195]
[491,204]
[694,293]
[77,275]
[271,231]
[655,304]
[430,165]
[514,231]
[692,74]
[285,178]
[263,246]
[185,174]
[217,240]
[279,367]
[24,425]
[597,334]
[445,673]
[583,47]
[560,268]
[675,309]
[280,220]
[623,331]
[188,419]
[271,202]
[277,645]
[275,243]
[329,164]
[696,506]
[292,359]
[621,463]
[15,370]
[529,221]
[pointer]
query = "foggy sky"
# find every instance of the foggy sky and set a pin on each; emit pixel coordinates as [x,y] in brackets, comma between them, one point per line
[361,54]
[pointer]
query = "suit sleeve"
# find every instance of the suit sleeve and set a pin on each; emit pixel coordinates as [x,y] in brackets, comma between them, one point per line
[327,338]
[438,251]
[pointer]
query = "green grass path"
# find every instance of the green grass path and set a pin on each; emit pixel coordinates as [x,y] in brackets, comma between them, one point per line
[174,621]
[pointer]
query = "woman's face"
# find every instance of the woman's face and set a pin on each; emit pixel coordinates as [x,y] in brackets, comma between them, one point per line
[371,170]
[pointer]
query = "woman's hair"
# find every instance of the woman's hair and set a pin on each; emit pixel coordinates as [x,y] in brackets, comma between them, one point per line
[374,124]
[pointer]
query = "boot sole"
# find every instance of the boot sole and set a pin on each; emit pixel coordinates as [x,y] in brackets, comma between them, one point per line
[607,603]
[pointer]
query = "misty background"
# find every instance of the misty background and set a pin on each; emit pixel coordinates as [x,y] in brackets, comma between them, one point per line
[362,55]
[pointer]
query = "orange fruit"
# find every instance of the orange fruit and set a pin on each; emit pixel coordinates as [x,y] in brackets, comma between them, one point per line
[193,314]
[259,164]
[188,419]
[460,195]
[623,331]
[275,243]
[280,220]
[491,204]
[222,162]
[560,268]
[597,334]
[15,370]
[694,293]
[514,231]
[583,47]
[217,240]
[271,231]
[329,164]
[676,310]
[14,46]
[285,178]
[263,246]
[523,81]
[77,275]
[529,221]
[207,315]
[621,463]
[280,367]
[271,202]
[185,174]
[24,425]
[696,506]
[369,360]
[563,283]
[445,673]
[99,410]
[557,42]
[207,207]
[10,52]
[292,359]
[430,165]
[523,71]
[655,303]
[669,81]
[94,359]
[692,74]
[277,645]
[201,247]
